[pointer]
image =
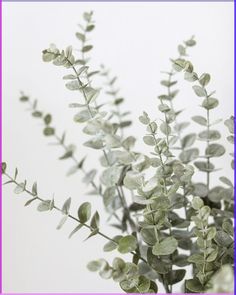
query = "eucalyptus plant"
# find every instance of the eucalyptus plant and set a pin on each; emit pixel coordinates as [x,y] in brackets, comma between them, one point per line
[161,216]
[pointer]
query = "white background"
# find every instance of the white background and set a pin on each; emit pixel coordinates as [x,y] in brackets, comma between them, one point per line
[136,40]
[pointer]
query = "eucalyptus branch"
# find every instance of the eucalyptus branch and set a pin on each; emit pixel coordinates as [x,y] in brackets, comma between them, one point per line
[188,140]
[69,149]
[113,91]
[159,183]
[153,128]
[67,60]
[47,205]
[117,101]
[50,131]
[209,103]
[86,48]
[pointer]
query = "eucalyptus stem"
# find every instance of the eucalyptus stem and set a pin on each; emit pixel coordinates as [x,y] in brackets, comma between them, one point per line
[91,114]
[83,41]
[60,141]
[56,207]
[36,197]
[161,232]
[113,92]
[89,110]
[76,162]
[157,240]
[168,288]
[160,156]
[208,158]
[77,78]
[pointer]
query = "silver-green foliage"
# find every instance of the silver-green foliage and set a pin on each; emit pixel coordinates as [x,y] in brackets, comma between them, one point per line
[166,219]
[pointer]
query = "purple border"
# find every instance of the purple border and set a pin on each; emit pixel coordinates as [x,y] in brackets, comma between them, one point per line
[1,146]
[207,1]
[234,151]
[1,25]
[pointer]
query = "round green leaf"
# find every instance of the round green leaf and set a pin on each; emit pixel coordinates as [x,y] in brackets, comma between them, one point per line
[84,212]
[37,114]
[149,140]
[188,140]
[144,119]
[19,188]
[127,244]
[44,206]
[175,276]
[194,285]
[48,131]
[94,265]
[197,203]
[211,233]
[133,180]
[152,127]
[191,42]
[204,79]
[143,284]
[212,256]
[200,120]
[24,98]
[110,246]
[212,135]
[215,150]
[189,155]
[87,48]
[199,91]
[165,128]
[191,77]
[148,235]
[47,119]
[165,247]
[230,124]
[210,103]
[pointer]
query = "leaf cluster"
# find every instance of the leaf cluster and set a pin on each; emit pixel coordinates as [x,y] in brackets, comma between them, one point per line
[162,217]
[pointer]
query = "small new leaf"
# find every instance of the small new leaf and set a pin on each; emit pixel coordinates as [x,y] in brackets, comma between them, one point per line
[77,228]
[34,189]
[87,48]
[93,233]
[68,154]
[47,119]
[62,222]
[19,188]
[66,206]
[95,221]
[4,167]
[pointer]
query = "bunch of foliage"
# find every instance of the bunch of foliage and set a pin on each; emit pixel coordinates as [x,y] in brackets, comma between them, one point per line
[166,220]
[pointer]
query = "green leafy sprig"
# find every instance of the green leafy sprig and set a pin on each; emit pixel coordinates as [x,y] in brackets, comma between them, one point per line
[145,193]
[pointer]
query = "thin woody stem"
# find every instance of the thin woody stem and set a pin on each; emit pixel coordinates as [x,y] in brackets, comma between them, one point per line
[36,197]
[88,107]
[208,158]
[56,208]
[114,94]
[72,156]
